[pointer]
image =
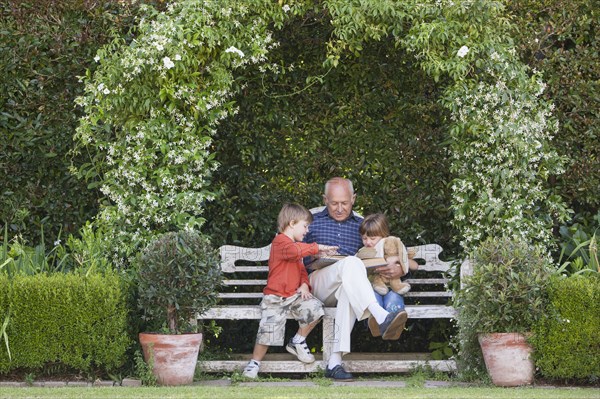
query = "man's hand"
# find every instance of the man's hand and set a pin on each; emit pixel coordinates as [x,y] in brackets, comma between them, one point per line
[304,291]
[393,268]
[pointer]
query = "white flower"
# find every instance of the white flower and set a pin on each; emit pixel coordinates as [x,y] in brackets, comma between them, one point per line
[106,91]
[56,243]
[286,8]
[235,50]
[177,57]
[168,63]
[97,58]
[462,51]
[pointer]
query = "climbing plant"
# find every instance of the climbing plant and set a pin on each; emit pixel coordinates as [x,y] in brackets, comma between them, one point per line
[154,105]
[150,111]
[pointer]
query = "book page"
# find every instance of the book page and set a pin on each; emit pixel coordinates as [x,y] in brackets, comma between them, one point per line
[372,263]
[319,263]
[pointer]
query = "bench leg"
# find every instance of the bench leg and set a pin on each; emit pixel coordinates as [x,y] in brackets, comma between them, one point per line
[328,337]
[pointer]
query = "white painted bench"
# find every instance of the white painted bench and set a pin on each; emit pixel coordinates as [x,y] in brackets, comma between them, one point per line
[427,299]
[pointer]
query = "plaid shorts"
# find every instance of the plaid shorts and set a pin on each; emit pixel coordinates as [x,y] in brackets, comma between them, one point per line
[275,309]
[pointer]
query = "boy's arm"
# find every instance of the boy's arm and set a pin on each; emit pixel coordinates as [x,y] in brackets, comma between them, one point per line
[294,251]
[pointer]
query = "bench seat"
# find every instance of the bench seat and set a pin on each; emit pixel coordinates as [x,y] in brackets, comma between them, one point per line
[252,312]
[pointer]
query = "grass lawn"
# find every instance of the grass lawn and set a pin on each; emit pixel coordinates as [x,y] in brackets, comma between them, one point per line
[278,392]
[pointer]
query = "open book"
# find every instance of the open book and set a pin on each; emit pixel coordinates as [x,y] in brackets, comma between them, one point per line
[320,263]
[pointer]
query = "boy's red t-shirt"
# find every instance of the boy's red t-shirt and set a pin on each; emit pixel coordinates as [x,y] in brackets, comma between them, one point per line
[286,269]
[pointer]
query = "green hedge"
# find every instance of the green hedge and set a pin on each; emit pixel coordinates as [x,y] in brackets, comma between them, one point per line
[77,321]
[567,343]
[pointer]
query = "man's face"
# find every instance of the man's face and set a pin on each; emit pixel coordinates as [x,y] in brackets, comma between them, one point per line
[339,201]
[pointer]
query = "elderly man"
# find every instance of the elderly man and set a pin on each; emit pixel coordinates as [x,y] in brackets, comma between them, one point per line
[344,284]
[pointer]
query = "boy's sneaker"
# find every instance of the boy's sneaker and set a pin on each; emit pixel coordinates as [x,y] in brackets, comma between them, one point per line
[301,351]
[251,370]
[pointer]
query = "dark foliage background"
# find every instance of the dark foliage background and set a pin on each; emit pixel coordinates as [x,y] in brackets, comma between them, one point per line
[44,46]
[562,40]
[374,119]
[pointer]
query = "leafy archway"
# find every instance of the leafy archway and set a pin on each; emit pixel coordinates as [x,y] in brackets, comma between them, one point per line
[154,104]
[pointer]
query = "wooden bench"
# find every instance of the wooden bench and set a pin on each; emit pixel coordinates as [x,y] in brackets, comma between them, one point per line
[246,272]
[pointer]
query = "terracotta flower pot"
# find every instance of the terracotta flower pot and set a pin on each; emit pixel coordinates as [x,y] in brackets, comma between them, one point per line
[507,358]
[174,356]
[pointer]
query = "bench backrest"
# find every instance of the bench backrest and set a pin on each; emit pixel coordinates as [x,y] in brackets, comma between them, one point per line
[246,273]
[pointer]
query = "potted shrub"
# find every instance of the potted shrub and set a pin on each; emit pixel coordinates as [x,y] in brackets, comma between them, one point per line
[498,306]
[178,277]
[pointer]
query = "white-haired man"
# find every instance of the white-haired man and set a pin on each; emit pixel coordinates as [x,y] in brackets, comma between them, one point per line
[345,284]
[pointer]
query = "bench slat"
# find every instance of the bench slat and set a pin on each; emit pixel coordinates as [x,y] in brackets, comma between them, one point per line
[251,269]
[431,267]
[245,282]
[252,312]
[423,281]
[420,281]
[411,294]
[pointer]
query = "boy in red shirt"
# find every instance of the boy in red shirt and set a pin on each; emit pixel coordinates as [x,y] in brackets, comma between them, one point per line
[288,289]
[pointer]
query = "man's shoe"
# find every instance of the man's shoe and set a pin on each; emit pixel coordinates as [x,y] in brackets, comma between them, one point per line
[374,327]
[392,327]
[338,373]
[301,351]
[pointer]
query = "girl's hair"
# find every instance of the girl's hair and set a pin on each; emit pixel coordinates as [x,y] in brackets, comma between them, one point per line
[375,225]
[290,213]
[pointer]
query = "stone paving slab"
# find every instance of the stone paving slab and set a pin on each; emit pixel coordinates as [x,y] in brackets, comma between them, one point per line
[131,382]
[55,384]
[278,384]
[104,383]
[79,384]
[214,383]
[371,383]
[437,384]
[12,384]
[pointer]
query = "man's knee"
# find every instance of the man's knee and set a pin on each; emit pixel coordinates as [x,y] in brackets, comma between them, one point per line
[353,264]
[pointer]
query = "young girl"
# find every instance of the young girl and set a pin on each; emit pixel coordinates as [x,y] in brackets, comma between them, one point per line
[373,230]
[288,289]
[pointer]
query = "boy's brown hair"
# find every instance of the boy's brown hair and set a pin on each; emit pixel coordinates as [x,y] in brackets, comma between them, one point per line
[375,225]
[290,213]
